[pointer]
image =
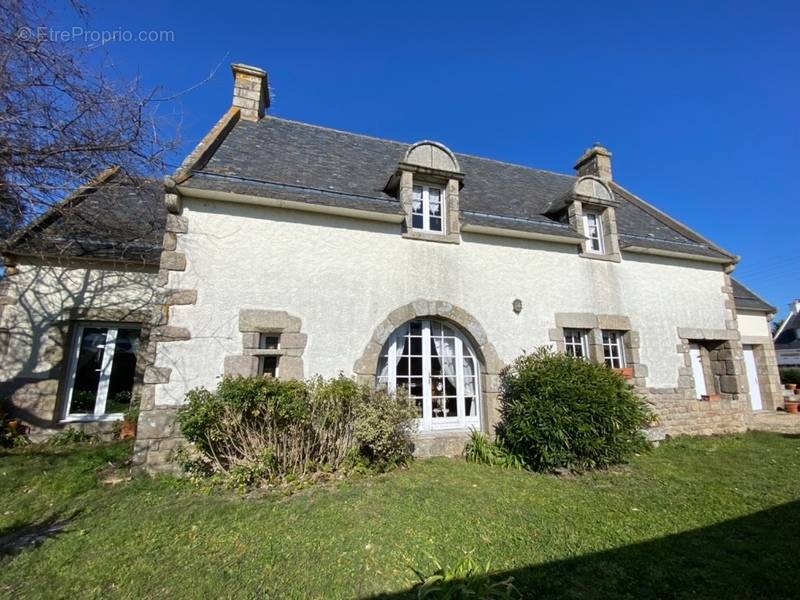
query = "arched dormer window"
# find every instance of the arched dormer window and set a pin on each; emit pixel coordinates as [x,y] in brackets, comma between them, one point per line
[427,183]
[592,212]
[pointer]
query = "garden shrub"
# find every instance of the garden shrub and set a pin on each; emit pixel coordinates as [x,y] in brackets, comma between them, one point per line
[790,375]
[558,411]
[260,429]
[382,427]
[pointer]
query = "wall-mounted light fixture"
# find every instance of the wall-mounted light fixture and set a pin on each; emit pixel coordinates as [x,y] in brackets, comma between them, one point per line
[517,305]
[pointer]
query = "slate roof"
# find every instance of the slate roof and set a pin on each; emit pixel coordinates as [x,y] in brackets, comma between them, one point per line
[117,217]
[746,299]
[290,160]
[788,339]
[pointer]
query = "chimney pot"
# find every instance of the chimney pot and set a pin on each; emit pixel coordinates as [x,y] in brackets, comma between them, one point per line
[595,161]
[795,306]
[250,91]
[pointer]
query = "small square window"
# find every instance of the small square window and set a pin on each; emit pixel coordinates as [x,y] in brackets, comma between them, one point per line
[269,366]
[575,342]
[269,341]
[613,353]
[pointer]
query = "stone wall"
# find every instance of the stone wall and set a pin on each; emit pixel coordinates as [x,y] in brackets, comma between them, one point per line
[727,406]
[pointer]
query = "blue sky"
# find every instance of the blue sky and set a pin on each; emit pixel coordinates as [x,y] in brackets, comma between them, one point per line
[697,101]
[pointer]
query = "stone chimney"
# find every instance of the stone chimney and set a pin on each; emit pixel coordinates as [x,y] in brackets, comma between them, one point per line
[596,161]
[794,306]
[250,91]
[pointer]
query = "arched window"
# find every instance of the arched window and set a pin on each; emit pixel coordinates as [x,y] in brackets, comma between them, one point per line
[439,368]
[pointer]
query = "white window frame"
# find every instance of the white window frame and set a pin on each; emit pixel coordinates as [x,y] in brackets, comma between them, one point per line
[698,372]
[462,348]
[583,341]
[593,232]
[425,208]
[617,344]
[109,349]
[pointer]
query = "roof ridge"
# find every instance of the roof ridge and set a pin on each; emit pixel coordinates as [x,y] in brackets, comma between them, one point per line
[399,143]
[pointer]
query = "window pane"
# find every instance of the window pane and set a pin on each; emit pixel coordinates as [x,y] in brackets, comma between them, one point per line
[269,366]
[451,406]
[123,371]
[87,372]
[416,221]
[434,201]
[268,341]
[436,223]
[416,200]
[470,407]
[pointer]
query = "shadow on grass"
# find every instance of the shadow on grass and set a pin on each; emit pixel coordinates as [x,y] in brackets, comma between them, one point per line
[750,557]
[16,538]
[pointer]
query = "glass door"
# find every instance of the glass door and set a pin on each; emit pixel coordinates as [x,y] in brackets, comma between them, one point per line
[438,367]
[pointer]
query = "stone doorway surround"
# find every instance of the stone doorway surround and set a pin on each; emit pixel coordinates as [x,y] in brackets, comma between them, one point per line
[366,367]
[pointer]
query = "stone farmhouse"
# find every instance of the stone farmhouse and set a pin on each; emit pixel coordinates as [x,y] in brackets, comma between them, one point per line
[288,249]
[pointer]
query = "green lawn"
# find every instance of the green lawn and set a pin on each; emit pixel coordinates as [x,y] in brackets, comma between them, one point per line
[713,517]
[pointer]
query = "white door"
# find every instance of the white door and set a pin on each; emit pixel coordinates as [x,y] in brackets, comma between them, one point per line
[752,378]
[439,368]
[697,370]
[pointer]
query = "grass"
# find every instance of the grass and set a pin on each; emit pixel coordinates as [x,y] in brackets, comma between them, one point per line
[711,517]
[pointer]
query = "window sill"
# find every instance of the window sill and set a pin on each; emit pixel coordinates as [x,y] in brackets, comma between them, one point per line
[447,238]
[605,257]
[92,418]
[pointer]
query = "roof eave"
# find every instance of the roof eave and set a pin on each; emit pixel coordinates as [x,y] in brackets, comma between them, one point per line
[676,254]
[680,227]
[516,233]
[204,194]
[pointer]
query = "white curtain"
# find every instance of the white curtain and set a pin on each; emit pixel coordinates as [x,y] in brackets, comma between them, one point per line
[400,341]
[446,350]
[469,385]
[434,201]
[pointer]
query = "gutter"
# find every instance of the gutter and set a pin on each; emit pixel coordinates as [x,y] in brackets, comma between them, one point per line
[676,254]
[515,233]
[354,213]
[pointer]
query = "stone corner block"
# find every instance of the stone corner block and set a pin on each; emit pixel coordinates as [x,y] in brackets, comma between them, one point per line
[177,223]
[173,261]
[156,375]
[246,366]
[291,367]
[178,297]
[169,333]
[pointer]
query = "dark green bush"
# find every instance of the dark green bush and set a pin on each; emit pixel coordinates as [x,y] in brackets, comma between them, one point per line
[563,412]
[790,375]
[258,429]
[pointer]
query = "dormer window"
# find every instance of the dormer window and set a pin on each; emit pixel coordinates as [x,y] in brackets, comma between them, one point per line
[427,204]
[593,230]
[427,183]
